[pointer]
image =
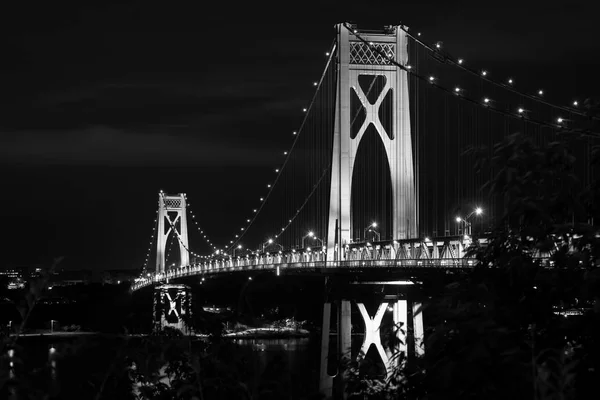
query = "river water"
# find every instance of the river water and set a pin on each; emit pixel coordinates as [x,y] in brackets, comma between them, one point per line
[289,366]
[296,359]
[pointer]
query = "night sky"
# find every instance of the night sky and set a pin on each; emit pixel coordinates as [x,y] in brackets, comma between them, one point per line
[101,107]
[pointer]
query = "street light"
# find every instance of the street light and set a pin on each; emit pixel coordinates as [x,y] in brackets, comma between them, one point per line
[370,229]
[270,242]
[311,235]
[476,211]
[376,233]
[239,247]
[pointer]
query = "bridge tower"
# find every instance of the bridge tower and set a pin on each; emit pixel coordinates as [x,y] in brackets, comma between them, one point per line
[369,82]
[357,63]
[171,210]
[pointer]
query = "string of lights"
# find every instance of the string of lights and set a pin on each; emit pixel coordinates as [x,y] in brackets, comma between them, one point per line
[486,102]
[279,171]
[199,228]
[305,202]
[152,239]
[485,75]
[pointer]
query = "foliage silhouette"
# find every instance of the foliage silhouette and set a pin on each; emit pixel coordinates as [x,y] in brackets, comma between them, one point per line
[497,334]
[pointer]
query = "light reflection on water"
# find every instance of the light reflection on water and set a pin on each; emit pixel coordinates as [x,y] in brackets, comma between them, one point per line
[293,360]
[287,345]
[295,353]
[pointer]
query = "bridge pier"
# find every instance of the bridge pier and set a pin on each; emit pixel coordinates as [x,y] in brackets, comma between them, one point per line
[397,298]
[172,306]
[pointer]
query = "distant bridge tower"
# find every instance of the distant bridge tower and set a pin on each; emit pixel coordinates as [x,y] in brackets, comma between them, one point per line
[171,210]
[359,67]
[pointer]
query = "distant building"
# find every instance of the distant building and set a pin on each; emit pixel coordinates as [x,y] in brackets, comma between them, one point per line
[70,277]
[13,278]
[16,283]
[12,273]
[18,277]
[118,276]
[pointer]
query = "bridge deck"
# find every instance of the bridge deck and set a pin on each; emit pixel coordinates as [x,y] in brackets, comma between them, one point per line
[411,254]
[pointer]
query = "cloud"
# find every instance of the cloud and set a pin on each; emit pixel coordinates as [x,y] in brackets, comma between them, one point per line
[510,32]
[102,145]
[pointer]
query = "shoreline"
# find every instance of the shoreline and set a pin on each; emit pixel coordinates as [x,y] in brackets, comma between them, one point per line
[269,333]
[251,333]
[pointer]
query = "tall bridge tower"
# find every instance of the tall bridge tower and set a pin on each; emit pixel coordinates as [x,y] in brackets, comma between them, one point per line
[171,212]
[372,94]
[384,105]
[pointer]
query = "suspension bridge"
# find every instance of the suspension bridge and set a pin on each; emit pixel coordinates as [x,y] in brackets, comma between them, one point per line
[385,177]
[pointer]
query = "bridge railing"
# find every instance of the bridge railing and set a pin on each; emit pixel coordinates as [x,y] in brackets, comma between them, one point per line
[447,252]
[205,269]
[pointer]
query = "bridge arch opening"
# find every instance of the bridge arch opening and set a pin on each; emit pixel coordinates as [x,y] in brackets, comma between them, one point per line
[173,245]
[371,196]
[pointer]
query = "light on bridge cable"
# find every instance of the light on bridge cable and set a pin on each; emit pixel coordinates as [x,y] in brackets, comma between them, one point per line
[510,81]
[540,92]
[484,72]
[559,120]
[460,61]
[575,103]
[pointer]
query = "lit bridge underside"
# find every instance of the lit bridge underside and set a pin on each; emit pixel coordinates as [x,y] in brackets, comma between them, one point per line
[442,253]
